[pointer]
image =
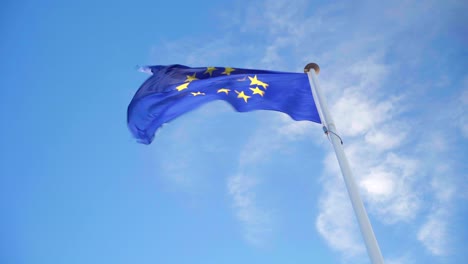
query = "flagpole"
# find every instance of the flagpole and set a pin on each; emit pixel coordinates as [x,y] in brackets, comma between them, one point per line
[365,226]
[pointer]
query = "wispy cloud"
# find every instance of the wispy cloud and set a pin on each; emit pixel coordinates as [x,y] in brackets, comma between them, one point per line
[335,222]
[256,222]
[371,121]
[370,72]
[405,259]
[462,114]
[433,233]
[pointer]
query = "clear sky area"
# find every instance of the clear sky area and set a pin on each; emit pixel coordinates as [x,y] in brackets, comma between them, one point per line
[218,186]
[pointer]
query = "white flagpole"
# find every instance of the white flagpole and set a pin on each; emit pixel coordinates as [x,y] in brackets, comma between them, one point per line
[329,126]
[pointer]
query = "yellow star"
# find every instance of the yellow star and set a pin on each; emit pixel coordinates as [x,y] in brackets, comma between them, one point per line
[191,78]
[182,86]
[243,96]
[197,93]
[210,70]
[223,90]
[228,71]
[255,81]
[257,91]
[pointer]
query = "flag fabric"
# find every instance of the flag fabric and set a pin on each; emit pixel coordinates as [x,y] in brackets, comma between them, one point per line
[174,90]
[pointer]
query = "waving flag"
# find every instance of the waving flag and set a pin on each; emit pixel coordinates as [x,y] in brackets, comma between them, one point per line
[176,89]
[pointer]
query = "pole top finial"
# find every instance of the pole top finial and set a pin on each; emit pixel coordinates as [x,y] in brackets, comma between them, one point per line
[312,66]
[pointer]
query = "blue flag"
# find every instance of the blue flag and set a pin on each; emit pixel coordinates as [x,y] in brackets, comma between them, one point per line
[176,89]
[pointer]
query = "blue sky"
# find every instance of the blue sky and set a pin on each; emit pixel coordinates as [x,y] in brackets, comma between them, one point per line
[218,186]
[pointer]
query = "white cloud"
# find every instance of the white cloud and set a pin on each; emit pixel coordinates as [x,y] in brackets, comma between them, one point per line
[405,259]
[256,222]
[359,111]
[443,187]
[433,234]
[357,71]
[379,184]
[176,173]
[336,221]
[357,114]
[298,130]
[268,138]
[464,94]
[387,138]
[394,196]
[370,72]
[463,102]
[464,126]
[259,145]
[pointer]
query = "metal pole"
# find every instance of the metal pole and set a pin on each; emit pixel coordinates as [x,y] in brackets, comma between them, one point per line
[364,224]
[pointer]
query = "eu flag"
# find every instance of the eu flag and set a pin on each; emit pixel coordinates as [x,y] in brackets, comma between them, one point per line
[176,89]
